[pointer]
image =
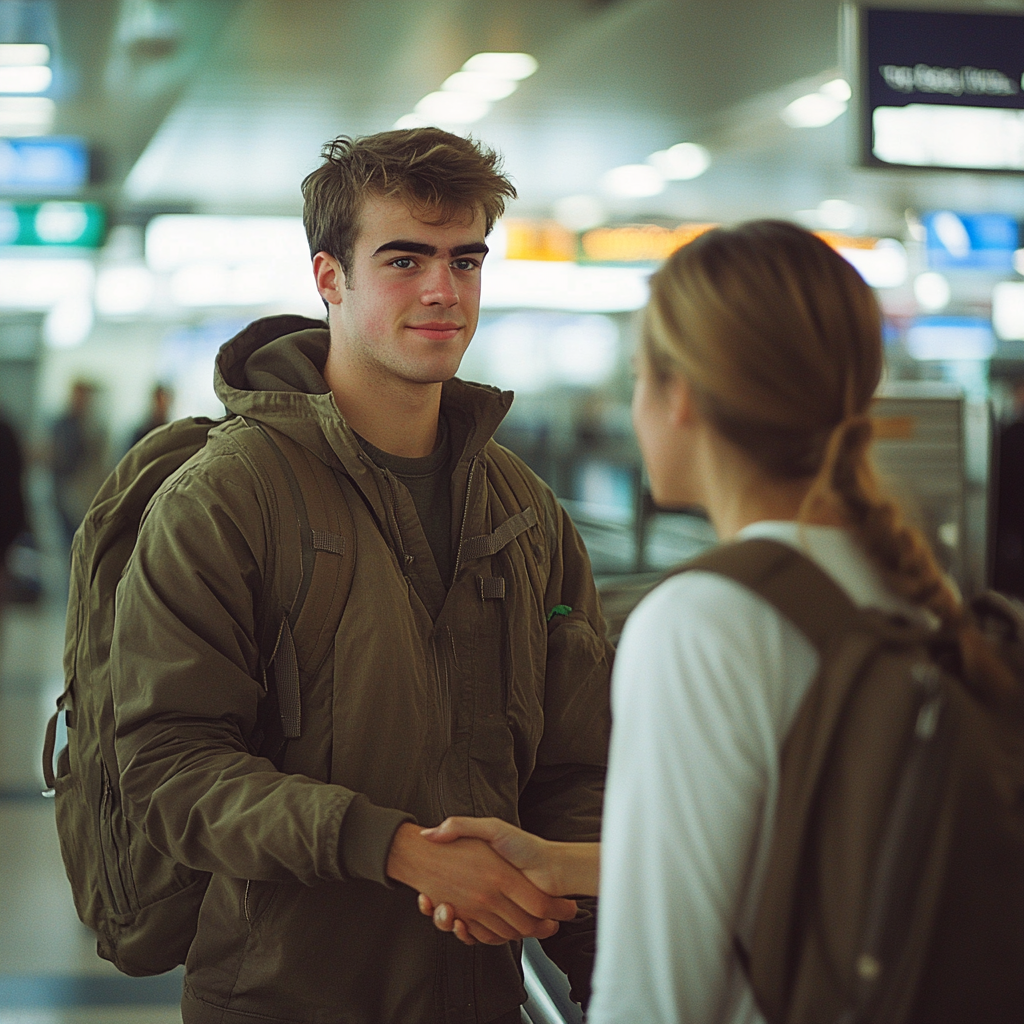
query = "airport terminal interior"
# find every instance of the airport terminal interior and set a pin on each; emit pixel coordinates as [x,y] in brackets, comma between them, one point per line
[151,153]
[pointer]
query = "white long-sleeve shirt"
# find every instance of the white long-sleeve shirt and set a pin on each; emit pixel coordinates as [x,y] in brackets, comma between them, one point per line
[708,678]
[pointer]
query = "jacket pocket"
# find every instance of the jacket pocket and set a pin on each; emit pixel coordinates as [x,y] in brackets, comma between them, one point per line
[256,899]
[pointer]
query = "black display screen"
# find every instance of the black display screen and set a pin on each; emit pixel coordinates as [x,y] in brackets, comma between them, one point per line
[941,89]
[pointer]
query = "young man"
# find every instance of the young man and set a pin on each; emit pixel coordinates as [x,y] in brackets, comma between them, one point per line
[469,672]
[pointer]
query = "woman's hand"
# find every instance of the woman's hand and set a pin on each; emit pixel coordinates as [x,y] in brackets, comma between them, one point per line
[554,868]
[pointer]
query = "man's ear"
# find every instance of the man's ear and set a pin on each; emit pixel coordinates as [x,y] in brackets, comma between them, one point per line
[330,278]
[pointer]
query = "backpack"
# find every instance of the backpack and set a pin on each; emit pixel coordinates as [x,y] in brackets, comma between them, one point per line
[895,886]
[143,905]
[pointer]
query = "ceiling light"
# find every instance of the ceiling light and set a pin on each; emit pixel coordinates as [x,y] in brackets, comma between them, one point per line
[14,55]
[580,213]
[25,115]
[488,87]
[124,290]
[29,283]
[1008,310]
[175,240]
[633,181]
[931,291]
[838,89]
[884,266]
[452,107]
[681,162]
[838,214]
[513,66]
[815,110]
[29,78]
[68,324]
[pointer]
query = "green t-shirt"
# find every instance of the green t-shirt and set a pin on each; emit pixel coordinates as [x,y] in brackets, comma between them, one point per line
[429,480]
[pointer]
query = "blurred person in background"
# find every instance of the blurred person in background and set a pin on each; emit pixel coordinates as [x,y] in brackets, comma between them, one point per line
[1008,575]
[77,458]
[13,519]
[159,413]
[760,354]
[469,671]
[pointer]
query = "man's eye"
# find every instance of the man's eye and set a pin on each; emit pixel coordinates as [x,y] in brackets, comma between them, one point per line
[465,264]
[403,262]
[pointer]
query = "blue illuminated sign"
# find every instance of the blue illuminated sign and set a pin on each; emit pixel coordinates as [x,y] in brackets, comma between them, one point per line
[950,338]
[43,165]
[978,241]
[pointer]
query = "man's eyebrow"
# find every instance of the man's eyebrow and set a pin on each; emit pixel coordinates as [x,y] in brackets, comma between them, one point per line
[401,245]
[422,249]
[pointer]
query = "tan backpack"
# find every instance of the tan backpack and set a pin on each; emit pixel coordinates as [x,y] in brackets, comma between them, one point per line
[143,905]
[895,890]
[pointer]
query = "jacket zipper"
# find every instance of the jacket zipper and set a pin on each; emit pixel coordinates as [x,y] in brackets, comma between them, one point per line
[465,515]
[393,514]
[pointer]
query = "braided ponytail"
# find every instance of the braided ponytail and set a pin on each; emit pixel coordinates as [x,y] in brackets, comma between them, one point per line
[847,488]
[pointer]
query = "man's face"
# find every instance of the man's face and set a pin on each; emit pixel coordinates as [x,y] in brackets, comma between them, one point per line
[412,299]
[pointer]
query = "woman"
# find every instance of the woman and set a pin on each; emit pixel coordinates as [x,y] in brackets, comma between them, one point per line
[760,354]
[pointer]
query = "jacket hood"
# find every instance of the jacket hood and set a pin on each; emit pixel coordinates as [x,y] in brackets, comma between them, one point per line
[272,372]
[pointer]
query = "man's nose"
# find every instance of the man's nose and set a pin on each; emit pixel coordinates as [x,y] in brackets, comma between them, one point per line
[439,287]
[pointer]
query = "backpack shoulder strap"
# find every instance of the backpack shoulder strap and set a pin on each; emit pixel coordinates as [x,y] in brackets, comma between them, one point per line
[788,580]
[311,564]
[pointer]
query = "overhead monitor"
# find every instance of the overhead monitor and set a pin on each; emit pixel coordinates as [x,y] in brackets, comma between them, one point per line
[43,165]
[938,89]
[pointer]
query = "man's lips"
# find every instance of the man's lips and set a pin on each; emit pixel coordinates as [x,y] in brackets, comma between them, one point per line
[439,329]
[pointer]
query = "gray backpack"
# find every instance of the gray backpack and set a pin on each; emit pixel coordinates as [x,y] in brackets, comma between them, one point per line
[143,905]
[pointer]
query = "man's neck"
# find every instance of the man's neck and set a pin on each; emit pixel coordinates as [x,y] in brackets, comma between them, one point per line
[398,417]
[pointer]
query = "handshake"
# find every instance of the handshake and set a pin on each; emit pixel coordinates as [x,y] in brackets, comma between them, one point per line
[488,881]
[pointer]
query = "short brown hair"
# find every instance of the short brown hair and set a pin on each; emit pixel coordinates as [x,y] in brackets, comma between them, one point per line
[429,169]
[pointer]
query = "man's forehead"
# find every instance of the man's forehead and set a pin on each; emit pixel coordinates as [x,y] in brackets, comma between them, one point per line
[393,217]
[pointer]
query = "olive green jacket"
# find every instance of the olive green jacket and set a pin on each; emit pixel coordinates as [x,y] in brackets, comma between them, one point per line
[490,706]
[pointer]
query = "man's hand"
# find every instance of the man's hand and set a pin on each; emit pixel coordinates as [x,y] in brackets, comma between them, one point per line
[492,899]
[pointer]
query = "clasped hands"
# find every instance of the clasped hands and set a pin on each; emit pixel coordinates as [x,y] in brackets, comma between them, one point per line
[482,879]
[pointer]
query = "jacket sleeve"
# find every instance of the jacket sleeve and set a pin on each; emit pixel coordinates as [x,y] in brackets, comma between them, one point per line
[563,798]
[185,671]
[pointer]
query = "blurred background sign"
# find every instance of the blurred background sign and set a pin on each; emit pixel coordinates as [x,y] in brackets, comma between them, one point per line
[43,165]
[980,241]
[53,223]
[940,88]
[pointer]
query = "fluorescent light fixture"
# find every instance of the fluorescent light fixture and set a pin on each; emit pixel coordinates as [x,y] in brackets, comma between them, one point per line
[932,291]
[36,283]
[925,135]
[838,89]
[177,240]
[633,181]
[530,284]
[681,162]
[13,55]
[580,213]
[452,107]
[124,290]
[513,66]
[30,78]
[884,266]
[1008,310]
[838,214]
[950,339]
[26,115]
[815,110]
[68,324]
[475,83]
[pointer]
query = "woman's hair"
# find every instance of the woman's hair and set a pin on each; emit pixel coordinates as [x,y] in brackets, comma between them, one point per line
[780,340]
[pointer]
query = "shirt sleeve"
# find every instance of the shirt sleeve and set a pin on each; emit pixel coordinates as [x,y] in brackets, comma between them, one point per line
[706,679]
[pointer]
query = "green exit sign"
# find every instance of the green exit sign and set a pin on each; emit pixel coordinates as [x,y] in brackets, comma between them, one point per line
[54,223]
